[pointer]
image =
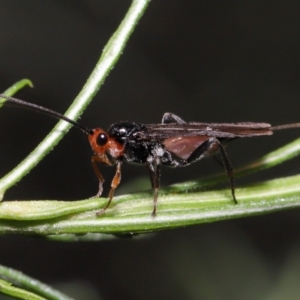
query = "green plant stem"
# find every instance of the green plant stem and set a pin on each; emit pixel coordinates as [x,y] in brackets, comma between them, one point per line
[132,213]
[109,57]
[42,290]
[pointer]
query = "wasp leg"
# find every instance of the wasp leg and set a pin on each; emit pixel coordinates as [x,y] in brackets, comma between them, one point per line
[96,159]
[210,147]
[171,118]
[154,169]
[151,175]
[114,184]
[228,169]
[217,159]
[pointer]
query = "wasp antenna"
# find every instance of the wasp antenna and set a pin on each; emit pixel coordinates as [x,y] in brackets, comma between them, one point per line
[47,111]
[286,126]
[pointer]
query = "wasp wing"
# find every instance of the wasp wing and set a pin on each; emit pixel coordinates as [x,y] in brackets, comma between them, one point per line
[217,130]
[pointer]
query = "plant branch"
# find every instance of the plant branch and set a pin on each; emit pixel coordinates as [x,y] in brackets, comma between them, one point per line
[132,213]
[108,59]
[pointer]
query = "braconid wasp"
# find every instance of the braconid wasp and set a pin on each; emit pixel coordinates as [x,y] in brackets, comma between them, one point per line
[173,142]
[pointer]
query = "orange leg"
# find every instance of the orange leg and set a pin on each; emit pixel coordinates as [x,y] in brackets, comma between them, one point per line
[95,159]
[114,184]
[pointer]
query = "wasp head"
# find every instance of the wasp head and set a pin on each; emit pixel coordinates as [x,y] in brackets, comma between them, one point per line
[105,147]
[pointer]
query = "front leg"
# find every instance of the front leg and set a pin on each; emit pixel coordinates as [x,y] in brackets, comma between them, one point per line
[96,159]
[114,184]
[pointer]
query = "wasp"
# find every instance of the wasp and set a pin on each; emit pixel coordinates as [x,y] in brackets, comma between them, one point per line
[173,143]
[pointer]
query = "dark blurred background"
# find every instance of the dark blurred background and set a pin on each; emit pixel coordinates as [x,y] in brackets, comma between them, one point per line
[209,61]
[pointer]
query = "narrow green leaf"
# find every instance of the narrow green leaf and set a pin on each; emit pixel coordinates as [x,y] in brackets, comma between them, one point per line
[35,286]
[7,288]
[18,86]
[15,88]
